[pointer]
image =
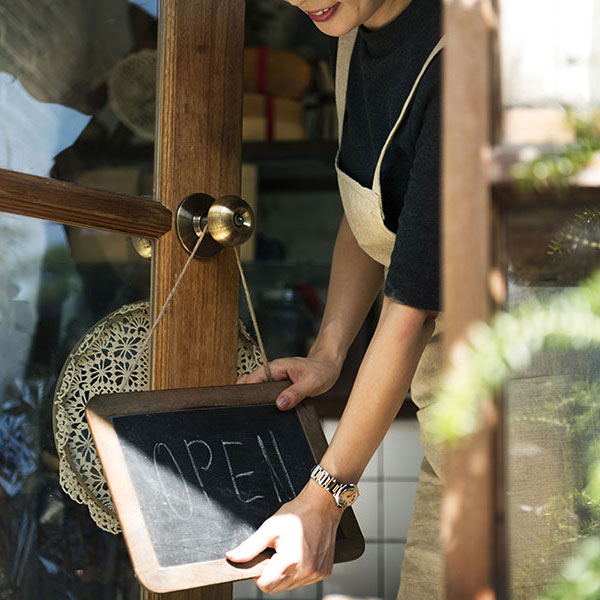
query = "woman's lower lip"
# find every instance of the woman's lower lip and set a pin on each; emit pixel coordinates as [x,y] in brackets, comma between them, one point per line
[324,16]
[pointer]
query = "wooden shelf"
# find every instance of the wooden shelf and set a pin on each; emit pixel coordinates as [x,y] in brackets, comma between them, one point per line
[322,150]
[583,190]
[509,195]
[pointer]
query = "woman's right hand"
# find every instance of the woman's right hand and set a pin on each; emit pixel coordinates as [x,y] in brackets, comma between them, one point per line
[310,376]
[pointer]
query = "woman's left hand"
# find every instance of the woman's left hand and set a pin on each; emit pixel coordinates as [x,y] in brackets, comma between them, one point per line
[302,533]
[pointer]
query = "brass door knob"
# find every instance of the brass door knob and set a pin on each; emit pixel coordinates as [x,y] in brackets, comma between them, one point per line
[229,221]
[143,246]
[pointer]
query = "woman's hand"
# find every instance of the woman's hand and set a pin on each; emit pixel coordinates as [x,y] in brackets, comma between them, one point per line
[310,376]
[302,533]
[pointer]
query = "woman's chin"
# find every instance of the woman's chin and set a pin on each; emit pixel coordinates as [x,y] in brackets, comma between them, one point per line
[335,29]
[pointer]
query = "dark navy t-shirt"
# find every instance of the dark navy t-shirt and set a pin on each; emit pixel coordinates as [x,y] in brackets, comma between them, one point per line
[385,64]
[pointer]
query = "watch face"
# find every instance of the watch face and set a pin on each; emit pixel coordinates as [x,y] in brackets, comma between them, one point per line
[347,496]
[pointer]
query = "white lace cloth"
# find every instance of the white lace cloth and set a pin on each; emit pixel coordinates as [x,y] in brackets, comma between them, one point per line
[98,365]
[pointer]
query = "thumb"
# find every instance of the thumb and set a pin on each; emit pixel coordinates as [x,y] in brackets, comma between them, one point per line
[253,546]
[294,394]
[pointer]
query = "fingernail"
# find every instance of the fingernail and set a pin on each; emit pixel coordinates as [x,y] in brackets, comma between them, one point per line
[283,402]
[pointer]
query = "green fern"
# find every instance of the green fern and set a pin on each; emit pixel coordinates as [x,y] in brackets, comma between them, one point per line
[507,345]
[555,169]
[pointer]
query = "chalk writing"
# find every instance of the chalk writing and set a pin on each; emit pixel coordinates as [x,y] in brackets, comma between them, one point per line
[235,477]
[204,468]
[275,480]
[207,478]
[160,473]
[274,463]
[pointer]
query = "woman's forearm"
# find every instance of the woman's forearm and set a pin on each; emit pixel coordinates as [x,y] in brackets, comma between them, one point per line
[354,283]
[380,388]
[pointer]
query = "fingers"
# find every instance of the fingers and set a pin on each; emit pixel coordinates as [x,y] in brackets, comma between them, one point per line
[274,576]
[257,376]
[294,394]
[278,368]
[308,376]
[284,573]
[260,540]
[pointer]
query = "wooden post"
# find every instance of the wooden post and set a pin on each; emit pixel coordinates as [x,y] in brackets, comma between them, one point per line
[198,150]
[468,508]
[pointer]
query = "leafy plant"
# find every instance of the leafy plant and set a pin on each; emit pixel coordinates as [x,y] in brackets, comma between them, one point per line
[507,345]
[493,352]
[556,168]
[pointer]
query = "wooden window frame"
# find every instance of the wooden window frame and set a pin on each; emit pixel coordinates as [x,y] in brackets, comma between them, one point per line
[477,195]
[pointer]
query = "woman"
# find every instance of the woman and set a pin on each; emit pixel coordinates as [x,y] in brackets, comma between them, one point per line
[388,100]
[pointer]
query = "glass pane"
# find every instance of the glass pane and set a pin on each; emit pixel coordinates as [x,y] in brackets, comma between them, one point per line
[550,86]
[555,63]
[77,91]
[289,174]
[552,408]
[56,282]
[548,68]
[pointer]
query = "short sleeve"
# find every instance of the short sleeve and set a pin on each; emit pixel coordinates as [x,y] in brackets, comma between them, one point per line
[414,274]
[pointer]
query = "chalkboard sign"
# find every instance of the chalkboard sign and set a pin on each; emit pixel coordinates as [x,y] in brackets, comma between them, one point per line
[194,472]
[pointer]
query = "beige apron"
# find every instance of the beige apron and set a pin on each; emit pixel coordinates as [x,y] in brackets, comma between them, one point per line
[422,566]
[544,460]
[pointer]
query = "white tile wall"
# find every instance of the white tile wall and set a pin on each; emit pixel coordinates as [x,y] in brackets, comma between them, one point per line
[245,590]
[393,556]
[372,471]
[387,492]
[402,451]
[398,500]
[367,510]
[359,578]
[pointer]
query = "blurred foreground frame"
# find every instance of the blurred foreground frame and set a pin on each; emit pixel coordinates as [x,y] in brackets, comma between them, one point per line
[480,202]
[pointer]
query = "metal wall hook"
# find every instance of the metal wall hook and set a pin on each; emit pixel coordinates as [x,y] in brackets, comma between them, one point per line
[229,222]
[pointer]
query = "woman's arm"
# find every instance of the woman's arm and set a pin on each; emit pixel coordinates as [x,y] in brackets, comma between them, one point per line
[302,532]
[354,283]
[380,388]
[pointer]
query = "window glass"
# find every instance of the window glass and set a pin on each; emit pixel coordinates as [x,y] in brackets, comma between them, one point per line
[552,411]
[56,282]
[77,91]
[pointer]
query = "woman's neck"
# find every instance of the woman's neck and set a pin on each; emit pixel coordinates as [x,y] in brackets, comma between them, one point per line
[386,14]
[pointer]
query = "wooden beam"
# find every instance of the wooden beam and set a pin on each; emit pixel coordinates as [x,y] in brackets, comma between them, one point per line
[73,204]
[198,150]
[509,195]
[213,592]
[468,509]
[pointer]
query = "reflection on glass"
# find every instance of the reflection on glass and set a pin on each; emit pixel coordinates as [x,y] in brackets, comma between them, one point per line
[64,112]
[555,64]
[552,410]
[55,283]
[34,132]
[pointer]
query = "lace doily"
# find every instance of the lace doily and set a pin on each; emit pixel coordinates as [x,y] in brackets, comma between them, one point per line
[98,365]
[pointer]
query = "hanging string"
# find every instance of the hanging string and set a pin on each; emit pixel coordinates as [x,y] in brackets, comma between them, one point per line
[146,342]
[160,315]
[263,354]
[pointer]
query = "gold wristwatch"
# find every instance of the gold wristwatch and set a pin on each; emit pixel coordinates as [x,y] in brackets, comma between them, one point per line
[344,494]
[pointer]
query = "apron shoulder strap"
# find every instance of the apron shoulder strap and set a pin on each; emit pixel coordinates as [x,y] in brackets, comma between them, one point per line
[344,54]
[432,55]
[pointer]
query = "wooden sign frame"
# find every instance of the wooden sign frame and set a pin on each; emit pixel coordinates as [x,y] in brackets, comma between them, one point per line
[99,413]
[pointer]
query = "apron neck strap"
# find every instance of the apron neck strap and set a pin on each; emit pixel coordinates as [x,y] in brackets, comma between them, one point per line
[344,55]
[377,174]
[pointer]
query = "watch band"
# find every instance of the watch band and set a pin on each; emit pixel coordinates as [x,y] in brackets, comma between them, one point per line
[344,494]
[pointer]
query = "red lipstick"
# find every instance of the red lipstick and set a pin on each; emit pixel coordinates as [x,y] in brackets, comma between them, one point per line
[323,14]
